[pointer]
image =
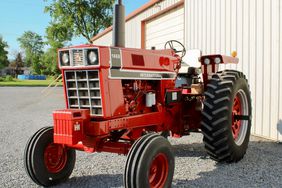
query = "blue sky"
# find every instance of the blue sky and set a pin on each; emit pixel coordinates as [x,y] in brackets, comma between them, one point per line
[18,16]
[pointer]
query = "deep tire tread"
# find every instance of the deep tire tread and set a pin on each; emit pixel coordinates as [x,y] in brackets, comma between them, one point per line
[215,116]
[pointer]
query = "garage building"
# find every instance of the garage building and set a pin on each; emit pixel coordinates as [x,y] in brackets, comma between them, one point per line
[253,28]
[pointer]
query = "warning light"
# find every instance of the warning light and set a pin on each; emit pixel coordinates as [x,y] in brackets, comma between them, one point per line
[234,54]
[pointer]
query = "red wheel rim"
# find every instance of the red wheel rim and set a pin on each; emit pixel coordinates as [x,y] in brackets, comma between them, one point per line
[236,124]
[158,171]
[55,157]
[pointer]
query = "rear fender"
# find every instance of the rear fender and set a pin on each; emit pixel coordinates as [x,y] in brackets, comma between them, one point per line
[210,64]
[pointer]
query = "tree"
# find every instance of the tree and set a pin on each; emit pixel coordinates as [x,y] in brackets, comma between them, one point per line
[17,64]
[79,17]
[49,62]
[32,44]
[57,36]
[3,53]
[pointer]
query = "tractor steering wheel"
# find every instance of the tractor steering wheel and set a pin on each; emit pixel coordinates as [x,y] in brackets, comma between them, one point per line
[180,50]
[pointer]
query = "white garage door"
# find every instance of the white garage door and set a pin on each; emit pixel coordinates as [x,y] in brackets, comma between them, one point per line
[168,26]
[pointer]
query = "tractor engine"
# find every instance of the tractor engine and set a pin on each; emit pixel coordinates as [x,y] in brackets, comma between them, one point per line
[139,96]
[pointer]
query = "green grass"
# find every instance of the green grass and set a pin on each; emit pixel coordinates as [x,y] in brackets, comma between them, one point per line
[29,83]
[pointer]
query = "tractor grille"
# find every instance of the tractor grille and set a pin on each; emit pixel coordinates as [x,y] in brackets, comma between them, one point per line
[83,91]
[78,58]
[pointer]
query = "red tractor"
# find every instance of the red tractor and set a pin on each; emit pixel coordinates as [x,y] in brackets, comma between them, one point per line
[127,101]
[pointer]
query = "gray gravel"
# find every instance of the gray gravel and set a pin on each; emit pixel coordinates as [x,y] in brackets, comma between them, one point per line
[25,110]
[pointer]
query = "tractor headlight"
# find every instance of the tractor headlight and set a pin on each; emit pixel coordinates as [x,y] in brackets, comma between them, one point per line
[92,57]
[217,60]
[65,58]
[207,61]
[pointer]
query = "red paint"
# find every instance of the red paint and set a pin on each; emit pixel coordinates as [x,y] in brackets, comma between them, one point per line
[137,60]
[69,125]
[55,158]
[214,69]
[158,171]
[236,124]
[151,60]
[164,61]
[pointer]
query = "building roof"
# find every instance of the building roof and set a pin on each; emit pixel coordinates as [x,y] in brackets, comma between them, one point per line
[130,16]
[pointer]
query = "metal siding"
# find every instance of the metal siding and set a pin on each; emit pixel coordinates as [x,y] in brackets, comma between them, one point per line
[252,28]
[217,25]
[258,106]
[213,26]
[197,23]
[279,133]
[246,38]
[274,72]
[207,34]
[239,33]
[253,58]
[267,61]
[234,24]
[106,40]
[223,27]
[169,26]
[227,15]
[189,38]
[205,26]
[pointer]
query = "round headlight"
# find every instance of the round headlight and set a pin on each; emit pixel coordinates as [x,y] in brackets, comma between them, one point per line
[65,58]
[207,61]
[217,60]
[92,58]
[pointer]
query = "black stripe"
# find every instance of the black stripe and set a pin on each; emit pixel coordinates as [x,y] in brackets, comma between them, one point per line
[124,74]
[241,117]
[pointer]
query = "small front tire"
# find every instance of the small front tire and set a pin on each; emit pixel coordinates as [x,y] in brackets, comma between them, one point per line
[46,163]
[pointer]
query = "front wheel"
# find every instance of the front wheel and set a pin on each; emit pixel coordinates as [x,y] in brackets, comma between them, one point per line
[150,163]
[45,162]
[226,117]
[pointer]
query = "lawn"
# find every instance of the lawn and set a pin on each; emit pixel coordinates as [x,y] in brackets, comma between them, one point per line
[30,83]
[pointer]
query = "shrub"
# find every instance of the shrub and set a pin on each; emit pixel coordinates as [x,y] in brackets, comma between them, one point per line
[9,78]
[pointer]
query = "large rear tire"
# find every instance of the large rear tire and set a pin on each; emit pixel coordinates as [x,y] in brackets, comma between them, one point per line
[226,117]
[150,163]
[47,163]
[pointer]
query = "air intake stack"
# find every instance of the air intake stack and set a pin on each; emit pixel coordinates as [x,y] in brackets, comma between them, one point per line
[119,25]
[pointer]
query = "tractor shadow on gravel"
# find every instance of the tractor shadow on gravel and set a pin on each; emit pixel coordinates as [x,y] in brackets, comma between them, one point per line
[190,150]
[100,180]
[261,167]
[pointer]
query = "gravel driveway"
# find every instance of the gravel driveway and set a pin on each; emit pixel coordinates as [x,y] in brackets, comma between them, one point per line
[25,110]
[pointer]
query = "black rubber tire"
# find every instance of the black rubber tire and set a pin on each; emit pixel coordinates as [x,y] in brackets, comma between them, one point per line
[34,160]
[27,153]
[165,134]
[140,156]
[217,116]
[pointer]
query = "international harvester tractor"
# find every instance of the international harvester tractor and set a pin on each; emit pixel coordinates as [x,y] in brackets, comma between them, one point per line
[128,101]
